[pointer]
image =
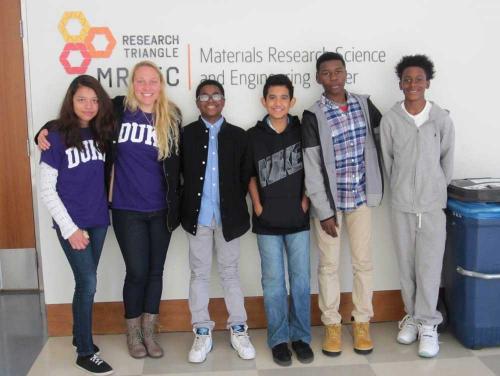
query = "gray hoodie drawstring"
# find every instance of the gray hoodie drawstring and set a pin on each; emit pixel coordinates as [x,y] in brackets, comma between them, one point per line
[419,216]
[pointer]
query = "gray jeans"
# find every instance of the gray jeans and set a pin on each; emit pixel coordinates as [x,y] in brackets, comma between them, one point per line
[201,247]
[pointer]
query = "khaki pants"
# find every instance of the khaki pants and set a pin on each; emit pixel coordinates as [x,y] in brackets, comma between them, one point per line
[358,225]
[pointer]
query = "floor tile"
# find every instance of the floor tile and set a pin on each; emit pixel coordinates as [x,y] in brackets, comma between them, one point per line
[389,357]
[176,347]
[58,357]
[352,370]
[434,367]
[264,358]
[114,351]
[492,362]
[387,349]
[487,351]
[22,332]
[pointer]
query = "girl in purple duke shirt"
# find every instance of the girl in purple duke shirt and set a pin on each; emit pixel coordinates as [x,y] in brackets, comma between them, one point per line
[73,189]
[144,193]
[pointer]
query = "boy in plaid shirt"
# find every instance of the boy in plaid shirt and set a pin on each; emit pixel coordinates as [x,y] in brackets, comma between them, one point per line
[343,180]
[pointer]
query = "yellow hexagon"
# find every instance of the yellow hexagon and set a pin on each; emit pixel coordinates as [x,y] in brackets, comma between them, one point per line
[78,16]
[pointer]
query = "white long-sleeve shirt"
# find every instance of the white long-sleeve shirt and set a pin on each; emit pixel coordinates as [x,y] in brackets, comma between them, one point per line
[49,196]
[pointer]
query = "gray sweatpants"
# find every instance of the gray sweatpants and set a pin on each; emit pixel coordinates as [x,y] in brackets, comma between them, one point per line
[420,241]
[201,247]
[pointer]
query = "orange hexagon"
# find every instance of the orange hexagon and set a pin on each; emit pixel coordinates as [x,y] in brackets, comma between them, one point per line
[93,31]
[80,17]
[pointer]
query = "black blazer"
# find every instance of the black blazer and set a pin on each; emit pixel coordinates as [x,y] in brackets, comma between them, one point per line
[234,175]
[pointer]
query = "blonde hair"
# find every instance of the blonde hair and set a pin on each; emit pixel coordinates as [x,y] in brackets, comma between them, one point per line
[167,115]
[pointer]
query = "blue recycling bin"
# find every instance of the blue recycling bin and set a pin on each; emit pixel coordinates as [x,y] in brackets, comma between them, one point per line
[471,272]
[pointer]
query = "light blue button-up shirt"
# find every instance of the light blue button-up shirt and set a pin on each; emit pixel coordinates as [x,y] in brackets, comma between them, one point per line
[210,199]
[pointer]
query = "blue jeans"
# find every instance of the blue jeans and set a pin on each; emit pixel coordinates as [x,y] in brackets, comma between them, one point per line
[286,323]
[84,265]
[143,238]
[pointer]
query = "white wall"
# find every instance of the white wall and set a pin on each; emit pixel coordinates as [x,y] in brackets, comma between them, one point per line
[461,36]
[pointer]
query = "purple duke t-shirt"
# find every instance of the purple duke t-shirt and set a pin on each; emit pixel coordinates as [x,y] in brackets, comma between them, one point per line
[139,181]
[80,180]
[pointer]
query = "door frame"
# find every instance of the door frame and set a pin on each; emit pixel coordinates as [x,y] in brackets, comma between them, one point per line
[34,153]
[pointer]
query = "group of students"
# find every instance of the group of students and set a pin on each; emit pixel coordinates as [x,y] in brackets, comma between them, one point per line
[131,152]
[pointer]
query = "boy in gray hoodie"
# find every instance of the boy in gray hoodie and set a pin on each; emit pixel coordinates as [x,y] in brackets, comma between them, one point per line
[417,139]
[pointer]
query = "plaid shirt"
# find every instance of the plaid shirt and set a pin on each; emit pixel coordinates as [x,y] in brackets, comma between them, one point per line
[348,137]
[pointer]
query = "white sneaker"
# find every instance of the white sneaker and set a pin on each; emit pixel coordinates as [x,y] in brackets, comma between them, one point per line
[408,330]
[240,341]
[429,344]
[202,345]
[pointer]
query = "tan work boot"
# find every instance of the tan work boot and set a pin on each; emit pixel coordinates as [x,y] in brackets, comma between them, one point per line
[149,335]
[332,341]
[362,341]
[136,348]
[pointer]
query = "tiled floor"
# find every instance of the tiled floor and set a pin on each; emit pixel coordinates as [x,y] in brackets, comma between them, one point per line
[388,358]
[22,332]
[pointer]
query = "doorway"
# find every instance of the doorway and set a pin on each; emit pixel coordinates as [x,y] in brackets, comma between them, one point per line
[18,258]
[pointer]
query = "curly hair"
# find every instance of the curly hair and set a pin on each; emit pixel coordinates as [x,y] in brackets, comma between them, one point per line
[421,61]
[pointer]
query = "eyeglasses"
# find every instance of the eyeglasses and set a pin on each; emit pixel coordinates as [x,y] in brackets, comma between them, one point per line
[207,97]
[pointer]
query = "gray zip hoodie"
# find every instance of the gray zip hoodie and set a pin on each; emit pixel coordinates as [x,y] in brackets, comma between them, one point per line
[418,160]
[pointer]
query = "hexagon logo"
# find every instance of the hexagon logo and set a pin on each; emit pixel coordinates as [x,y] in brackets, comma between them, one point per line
[83,43]
[63,26]
[78,47]
[111,42]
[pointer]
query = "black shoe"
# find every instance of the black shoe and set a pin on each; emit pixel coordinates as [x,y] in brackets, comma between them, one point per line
[96,349]
[94,365]
[303,351]
[282,355]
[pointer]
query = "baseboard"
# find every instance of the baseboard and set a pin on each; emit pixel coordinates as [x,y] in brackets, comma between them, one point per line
[175,316]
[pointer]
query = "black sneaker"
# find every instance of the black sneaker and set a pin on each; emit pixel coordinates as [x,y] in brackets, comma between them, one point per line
[303,351]
[93,365]
[96,349]
[282,355]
